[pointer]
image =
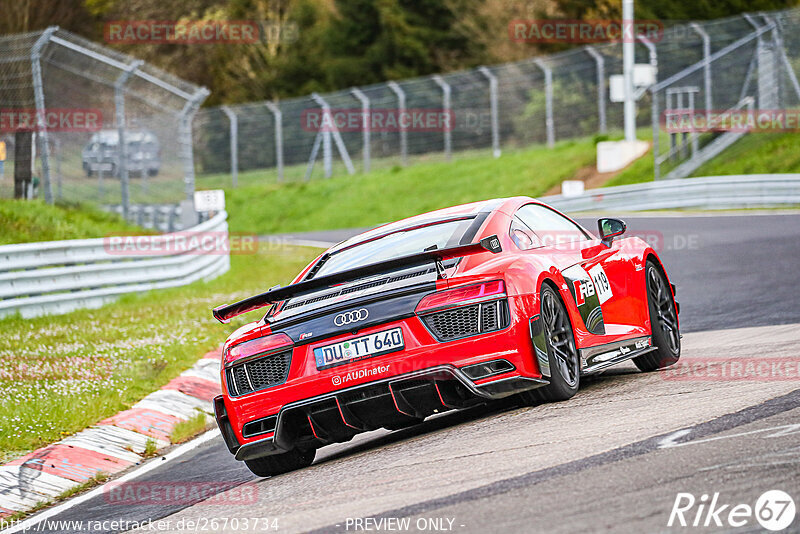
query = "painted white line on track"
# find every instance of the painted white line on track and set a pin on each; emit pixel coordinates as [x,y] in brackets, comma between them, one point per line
[28,524]
[671,440]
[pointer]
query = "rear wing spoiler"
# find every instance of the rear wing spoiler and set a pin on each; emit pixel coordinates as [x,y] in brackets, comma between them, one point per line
[226,312]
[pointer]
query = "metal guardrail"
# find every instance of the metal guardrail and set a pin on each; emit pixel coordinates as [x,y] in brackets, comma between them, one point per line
[709,193]
[60,276]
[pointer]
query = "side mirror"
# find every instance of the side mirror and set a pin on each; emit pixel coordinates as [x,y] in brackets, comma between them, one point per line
[609,229]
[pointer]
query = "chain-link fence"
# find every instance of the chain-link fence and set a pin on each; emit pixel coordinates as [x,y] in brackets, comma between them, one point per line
[540,100]
[86,123]
[745,64]
[140,149]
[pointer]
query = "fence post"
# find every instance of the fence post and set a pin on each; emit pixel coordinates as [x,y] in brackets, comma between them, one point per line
[747,77]
[654,119]
[401,111]
[366,123]
[59,178]
[668,105]
[312,158]
[493,110]
[548,95]
[38,95]
[654,107]
[448,139]
[122,148]
[782,52]
[186,116]
[695,140]
[327,150]
[234,137]
[767,81]
[601,87]
[706,64]
[278,117]
[327,156]
[327,153]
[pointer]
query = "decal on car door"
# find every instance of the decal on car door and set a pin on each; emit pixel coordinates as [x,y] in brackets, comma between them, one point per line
[589,295]
[601,283]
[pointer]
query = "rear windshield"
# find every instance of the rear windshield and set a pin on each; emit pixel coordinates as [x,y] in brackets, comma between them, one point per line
[395,245]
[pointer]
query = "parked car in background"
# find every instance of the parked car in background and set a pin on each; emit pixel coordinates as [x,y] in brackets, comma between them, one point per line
[101,153]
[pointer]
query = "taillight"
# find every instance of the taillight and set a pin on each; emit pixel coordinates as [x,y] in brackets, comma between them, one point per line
[462,295]
[261,345]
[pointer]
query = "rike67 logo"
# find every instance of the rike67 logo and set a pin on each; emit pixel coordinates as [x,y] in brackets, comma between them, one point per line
[774,510]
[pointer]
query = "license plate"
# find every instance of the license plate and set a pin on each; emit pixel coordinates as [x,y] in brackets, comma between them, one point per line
[359,348]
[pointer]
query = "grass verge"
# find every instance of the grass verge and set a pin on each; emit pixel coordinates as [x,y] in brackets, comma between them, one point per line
[756,153]
[24,221]
[186,430]
[392,193]
[60,374]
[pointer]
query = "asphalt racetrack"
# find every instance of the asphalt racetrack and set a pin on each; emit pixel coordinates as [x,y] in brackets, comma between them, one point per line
[618,457]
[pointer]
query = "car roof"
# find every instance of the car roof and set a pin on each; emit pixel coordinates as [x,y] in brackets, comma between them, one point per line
[131,136]
[433,217]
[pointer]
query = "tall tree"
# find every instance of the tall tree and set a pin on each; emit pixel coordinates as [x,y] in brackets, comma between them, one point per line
[19,16]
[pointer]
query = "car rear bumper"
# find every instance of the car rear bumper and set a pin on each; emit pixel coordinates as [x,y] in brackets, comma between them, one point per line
[339,415]
[314,407]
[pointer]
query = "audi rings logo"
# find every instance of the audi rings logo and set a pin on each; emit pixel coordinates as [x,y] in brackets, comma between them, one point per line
[350,317]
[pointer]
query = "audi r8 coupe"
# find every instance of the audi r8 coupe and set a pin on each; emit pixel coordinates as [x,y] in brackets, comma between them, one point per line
[440,311]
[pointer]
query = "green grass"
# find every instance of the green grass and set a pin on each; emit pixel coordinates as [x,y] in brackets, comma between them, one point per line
[392,193]
[639,171]
[60,374]
[767,153]
[98,478]
[186,430]
[24,221]
[756,153]
[150,448]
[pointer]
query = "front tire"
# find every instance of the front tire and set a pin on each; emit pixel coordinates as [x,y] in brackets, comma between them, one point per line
[565,374]
[663,322]
[277,464]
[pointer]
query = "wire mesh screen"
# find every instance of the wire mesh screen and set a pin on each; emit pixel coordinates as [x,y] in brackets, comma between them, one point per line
[577,102]
[746,74]
[84,90]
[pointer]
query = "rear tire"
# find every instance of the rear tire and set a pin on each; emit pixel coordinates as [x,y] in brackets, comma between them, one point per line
[277,464]
[663,322]
[565,375]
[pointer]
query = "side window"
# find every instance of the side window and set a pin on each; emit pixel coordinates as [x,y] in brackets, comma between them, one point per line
[522,236]
[550,227]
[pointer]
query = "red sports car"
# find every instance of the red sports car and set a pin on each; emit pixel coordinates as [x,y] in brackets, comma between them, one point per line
[440,311]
